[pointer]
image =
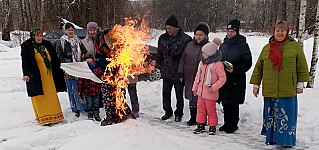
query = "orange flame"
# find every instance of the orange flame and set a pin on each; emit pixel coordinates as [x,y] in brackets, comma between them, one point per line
[128,53]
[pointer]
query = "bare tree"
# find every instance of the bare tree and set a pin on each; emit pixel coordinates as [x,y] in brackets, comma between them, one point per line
[314,58]
[302,21]
[7,20]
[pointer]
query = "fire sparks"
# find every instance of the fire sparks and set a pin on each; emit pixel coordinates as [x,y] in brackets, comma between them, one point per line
[128,53]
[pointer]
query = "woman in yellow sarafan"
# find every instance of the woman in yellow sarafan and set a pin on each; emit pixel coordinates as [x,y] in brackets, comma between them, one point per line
[43,77]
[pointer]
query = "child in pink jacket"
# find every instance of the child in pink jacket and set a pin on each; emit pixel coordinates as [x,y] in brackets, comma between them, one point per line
[209,78]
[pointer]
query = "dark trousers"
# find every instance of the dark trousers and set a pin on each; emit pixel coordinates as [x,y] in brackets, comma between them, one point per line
[193,102]
[92,102]
[133,96]
[167,89]
[193,107]
[231,115]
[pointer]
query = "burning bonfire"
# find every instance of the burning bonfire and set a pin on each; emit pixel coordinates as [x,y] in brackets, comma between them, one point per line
[128,54]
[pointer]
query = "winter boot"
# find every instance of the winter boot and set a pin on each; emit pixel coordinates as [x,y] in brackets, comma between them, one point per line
[166,116]
[192,120]
[90,115]
[212,130]
[231,129]
[232,126]
[77,113]
[97,116]
[200,128]
[223,128]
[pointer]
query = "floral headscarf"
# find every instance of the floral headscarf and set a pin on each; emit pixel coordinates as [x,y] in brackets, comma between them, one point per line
[41,50]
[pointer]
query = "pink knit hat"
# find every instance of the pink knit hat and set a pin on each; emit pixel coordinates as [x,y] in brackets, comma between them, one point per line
[211,47]
[92,25]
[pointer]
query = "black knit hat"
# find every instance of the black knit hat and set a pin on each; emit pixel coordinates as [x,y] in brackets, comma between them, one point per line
[234,24]
[203,26]
[172,21]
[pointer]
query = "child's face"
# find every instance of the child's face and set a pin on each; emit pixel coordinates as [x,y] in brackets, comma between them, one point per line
[89,60]
[205,55]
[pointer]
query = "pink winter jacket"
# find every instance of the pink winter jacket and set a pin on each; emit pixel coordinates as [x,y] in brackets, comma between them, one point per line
[218,78]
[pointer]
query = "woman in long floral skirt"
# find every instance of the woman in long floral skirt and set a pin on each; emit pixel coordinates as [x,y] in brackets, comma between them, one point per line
[282,68]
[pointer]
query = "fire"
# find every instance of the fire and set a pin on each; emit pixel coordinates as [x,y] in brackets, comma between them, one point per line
[128,53]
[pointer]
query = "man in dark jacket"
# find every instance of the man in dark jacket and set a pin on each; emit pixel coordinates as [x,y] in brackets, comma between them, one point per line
[236,51]
[170,49]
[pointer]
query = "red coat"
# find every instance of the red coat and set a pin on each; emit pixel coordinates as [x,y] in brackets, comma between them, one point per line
[218,78]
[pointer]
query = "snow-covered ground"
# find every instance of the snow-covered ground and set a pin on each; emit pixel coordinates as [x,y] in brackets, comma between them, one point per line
[19,129]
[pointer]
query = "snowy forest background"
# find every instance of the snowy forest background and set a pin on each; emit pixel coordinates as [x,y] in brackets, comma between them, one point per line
[255,15]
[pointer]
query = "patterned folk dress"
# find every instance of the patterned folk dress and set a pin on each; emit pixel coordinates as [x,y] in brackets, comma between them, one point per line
[280,120]
[110,107]
[46,107]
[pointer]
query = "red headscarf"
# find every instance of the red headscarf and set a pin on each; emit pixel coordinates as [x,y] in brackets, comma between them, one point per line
[276,49]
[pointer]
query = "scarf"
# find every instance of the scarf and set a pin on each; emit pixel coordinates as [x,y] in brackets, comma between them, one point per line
[75,46]
[210,61]
[41,50]
[275,53]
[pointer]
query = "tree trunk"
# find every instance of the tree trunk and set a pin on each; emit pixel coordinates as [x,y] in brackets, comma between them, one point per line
[7,20]
[30,19]
[302,21]
[42,14]
[283,11]
[314,58]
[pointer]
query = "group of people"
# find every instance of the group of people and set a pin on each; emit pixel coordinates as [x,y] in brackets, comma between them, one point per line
[41,62]
[215,72]
[197,64]
[211,72]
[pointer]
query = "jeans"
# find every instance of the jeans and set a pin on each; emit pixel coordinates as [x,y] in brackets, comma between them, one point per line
[92,102]
[167,89]
[74,98]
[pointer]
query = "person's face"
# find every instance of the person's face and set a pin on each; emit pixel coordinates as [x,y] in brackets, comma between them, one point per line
[92,32]
[280,33]
[172,31]
[69,32]
[89,60]
[200,36]
[38,38]
[205,55]
[231,33]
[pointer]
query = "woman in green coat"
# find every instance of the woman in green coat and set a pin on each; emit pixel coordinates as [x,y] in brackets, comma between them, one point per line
[282,68]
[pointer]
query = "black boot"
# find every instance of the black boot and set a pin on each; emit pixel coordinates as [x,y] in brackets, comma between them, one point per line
[90,115]
[193,113]
[166,116]
[97,116]
[212,130]
[233,126]
[200,128]
[223,128]
[231,129]
[77,113]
